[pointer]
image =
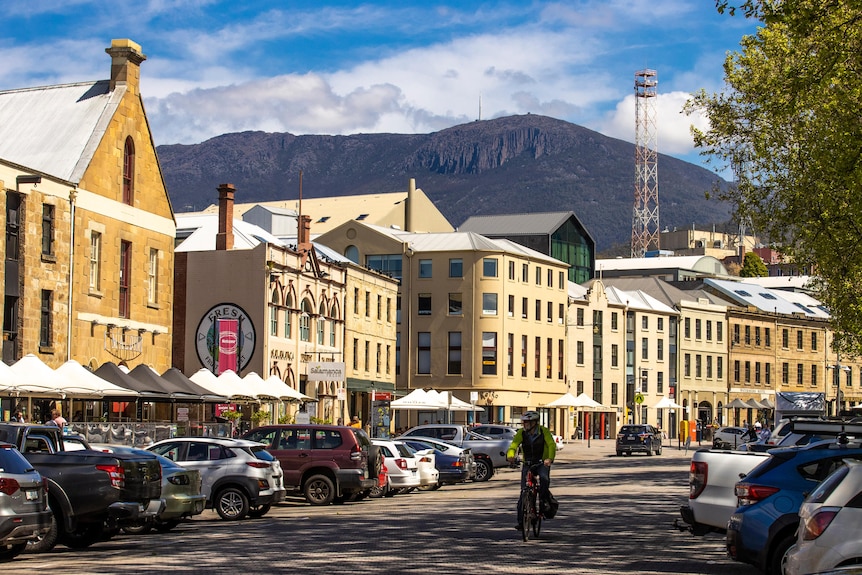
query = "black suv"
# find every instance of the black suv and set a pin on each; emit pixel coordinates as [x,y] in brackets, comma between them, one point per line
[325,463]
[645,438]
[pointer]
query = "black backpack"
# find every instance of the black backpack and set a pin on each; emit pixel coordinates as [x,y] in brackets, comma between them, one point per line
[550,506]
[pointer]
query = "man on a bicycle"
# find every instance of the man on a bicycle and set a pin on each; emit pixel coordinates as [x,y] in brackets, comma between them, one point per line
[537,449]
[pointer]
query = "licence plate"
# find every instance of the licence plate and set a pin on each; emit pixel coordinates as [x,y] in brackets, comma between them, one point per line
[631,437]
[32,495]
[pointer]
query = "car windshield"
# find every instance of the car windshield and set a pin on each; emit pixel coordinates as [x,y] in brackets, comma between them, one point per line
[633,429]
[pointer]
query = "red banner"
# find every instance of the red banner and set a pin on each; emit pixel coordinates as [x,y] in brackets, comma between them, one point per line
[228,344]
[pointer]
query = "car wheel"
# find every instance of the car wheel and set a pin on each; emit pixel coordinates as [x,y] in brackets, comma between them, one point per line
[231,504]
[649,450]
[779,555]
[82,537]
[377,491]
[658,450]
[165,526]
[484,470]
[432,487]
[138,527]
[259,510]
[45,542]
[9,552]
[319,490]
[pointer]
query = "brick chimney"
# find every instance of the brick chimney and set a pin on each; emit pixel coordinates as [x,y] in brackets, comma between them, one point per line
[224,237]
[303,237]
[126,58]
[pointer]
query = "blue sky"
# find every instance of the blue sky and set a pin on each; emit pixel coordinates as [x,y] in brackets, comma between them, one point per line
[338,67]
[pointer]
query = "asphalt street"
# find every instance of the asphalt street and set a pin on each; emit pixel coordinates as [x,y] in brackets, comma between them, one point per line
[616,517]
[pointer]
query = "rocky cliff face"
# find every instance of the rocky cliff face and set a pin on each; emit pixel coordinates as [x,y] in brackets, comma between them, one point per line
[514,164]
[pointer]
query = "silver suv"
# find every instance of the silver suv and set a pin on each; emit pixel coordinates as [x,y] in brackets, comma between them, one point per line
[238,477]
[24,512]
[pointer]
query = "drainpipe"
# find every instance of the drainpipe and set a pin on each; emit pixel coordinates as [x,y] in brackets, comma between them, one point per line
[73,194]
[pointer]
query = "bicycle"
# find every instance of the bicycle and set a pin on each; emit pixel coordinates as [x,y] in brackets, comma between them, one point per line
[531,510]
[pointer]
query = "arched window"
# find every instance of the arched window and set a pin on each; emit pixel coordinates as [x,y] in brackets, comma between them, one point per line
[352,253]
[321,324]
[129,172]
[288,315]
[305,321]
[335,314]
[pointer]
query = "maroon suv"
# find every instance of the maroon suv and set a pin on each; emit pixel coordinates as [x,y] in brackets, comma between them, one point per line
[325,463]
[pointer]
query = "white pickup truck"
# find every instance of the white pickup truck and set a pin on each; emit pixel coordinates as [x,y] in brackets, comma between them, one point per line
[713,473]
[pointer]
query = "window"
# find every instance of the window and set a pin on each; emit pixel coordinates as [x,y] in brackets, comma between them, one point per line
[489,353]
[709,367]
[799,373]
[687,328]
[367,355]
[698,366]
[510,355]
[367,304]
[660,323]
[388,359]
[538,357]
[45,319]
[549,355]
[615,321]
[550,311]
[562,280]
[524,308]
[511,270]
[697,329]
[489,267]
[454,367]
[455,304]
[350,252]
[423,363]
[321,325]
[550,277]
[288,319]
[538,310]
[813,376]
[489,304]
[386,264]
[687,365]
[748,335]
[456,268]
[757,335]
[719,367]
[389,310]
[659,352]
[579,317]
[95,260]
[579,353]
[561,311]
[397,353]
[785,373]
[153,277]
[523,356]
[785,338]
[305,321]
[561,348]
[659,384]
[511,309]
[273,320]
[736,372]
[129,172]
[424,304]
[719,331]
[379,307]
[813,341]
[424,268]
[644,348]
[47,230]
[356,301]
[538,275]
[644,323]
[799,339]
[709,330]
[615,355]
[757,372]
[736,333]
[525,272]
[379,357]
[767,373]
[332,341]
[125,279]
[767,337]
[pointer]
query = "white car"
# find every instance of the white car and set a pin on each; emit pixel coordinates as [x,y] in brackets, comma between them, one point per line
[830,524]
[401,465]
[426,464]
[729,437]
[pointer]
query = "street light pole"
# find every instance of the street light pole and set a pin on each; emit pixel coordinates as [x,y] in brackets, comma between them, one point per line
[836,381]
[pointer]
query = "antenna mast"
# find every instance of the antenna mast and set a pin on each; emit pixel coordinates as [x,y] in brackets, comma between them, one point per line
[645,222]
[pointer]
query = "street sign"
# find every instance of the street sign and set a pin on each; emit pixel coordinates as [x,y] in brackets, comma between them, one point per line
[639,398]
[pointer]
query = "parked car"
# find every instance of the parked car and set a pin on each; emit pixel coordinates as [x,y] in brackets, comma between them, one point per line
[24,512]
[451,469]
[401,464]
[464,454]
[728,437]
[462,436]
[326,463]
[830,524]
[763,528]
[495,430]
[238,477]
[642,437]
[74,442]
[181,490]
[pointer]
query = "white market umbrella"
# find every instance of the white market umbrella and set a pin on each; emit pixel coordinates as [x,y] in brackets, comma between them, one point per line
[286,392]
[9,380]
[667,403]
[450,402]
[417,399]
[229,389]
[36,377]
[77,380]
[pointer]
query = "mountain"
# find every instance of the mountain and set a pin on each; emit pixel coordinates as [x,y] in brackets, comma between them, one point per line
[524,163]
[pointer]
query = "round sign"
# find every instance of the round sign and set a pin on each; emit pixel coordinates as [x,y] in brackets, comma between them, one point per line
[225,335]
[639,398]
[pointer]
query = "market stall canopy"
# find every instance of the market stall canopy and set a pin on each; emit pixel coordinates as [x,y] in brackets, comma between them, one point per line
[449,402]
[112,372]
[151,378]
[583,401]
[767,404]
[666,403]
[754,404]
[566,400]
[179,378]
[9,380]
[35,377]
[737,404]
[77,380]
[288,393]
[417,399]
[261,389]
[228,384]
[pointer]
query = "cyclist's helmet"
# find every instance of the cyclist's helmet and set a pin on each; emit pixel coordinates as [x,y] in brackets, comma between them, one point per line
[530,416]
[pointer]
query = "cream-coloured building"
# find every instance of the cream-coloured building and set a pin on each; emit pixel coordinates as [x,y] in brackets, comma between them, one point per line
[89,226]
[288,308]
[484,319]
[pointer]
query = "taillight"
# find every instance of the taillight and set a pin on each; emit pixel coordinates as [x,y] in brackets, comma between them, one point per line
[748,494]
[425,459]
[258,464]
[697,475]
[179,480]
[8,485]
[816,525]
[458,463]
[355,452]
[116,473]
[401,463]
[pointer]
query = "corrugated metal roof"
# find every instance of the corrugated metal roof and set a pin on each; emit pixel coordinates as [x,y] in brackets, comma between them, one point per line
[765,299]
[55,130]
[676,262]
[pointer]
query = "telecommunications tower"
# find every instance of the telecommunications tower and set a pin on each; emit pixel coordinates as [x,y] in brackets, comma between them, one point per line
[645,228]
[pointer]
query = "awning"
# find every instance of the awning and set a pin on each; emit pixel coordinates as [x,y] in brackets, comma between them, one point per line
[368,385]
[112,372]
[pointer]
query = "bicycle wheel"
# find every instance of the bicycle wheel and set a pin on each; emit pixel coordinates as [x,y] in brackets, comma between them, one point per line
[537,524]
[525,516]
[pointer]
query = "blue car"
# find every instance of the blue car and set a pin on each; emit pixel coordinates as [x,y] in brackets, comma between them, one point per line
[763,528]
[452,469]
